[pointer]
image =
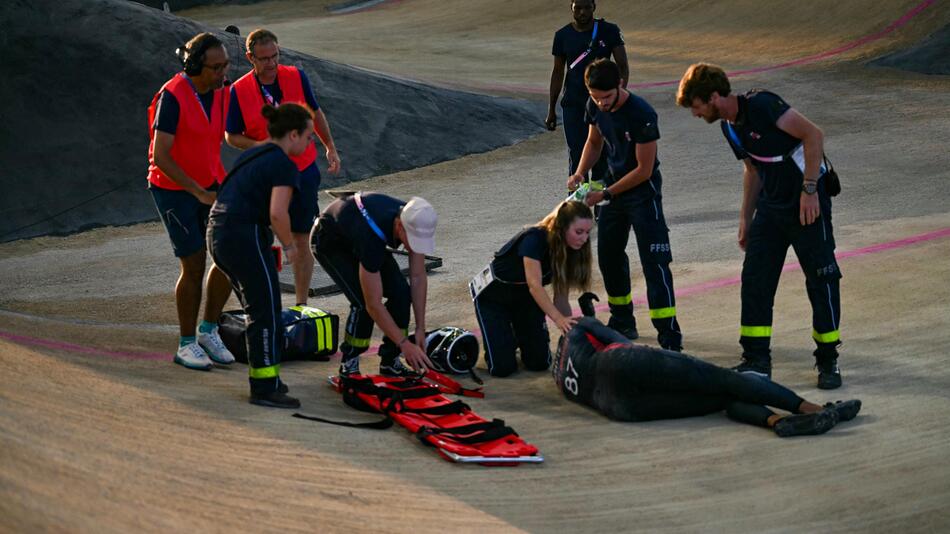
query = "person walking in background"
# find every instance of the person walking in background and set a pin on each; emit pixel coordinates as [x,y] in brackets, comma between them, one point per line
[576,46]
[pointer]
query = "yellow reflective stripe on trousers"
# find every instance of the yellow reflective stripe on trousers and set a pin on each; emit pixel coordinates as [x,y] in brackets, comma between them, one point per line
[356,342]
[827,337]
[620,301]
[755,331]
[264,372]
[663,313]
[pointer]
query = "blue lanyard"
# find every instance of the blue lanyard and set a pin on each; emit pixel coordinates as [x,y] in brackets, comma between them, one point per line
[269,98]
[733,136]
[197,96]
[369,220]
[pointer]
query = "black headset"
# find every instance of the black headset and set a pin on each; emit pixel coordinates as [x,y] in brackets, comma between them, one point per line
[193,60]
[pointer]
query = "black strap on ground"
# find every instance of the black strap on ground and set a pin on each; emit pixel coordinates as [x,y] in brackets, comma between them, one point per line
[382,424]
[475,377]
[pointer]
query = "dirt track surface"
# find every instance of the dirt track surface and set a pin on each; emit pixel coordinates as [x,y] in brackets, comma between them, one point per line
[106,434]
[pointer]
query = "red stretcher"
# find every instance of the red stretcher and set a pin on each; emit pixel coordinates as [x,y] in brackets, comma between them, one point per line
[419,404]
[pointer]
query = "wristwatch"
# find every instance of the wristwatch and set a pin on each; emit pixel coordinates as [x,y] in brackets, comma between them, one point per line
[607,194]
[809,188]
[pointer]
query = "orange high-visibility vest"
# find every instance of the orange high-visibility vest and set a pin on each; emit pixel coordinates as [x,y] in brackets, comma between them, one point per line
[197,145]
[251,100]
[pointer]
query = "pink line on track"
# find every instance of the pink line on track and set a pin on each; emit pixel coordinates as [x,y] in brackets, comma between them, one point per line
[864,251]
[81,349]
[903,20]
[913,12]
[689,290]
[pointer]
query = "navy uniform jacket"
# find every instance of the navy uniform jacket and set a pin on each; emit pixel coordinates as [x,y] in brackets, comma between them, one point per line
[348,223]
[532,242]
[756,130]
[634,123]
[245,194]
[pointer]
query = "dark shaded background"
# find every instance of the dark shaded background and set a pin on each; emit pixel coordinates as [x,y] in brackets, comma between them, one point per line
[80,74]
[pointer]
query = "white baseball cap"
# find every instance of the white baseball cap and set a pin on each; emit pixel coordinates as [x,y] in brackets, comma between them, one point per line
[419,219]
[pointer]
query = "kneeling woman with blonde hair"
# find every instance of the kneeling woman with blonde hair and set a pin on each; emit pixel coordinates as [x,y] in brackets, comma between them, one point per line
[510,300]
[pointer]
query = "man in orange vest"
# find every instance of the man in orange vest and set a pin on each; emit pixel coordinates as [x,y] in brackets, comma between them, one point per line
[270,83]
[186,127]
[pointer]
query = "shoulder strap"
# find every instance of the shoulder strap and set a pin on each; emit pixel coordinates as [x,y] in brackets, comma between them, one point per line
[733,136]
[369,220]
[590,46]
[267,150]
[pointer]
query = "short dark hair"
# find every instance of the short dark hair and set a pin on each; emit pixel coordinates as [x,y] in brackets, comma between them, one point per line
[602,75]
[259,36]
[197,47]
[701,81]
[286,118]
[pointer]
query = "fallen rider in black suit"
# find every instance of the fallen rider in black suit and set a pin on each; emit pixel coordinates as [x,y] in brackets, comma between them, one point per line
[599,367]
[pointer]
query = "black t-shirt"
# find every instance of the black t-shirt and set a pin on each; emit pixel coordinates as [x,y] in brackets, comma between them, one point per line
[245,194]
[570,43]
[532,242]
[166,116]
[634,123]
[348,223]
[756,129]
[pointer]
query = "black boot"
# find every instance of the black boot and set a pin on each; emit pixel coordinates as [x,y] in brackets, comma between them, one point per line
[826,361]
[627,326]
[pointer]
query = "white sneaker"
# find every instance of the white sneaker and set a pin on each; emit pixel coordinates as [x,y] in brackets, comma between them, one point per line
[193,356]
[211,342]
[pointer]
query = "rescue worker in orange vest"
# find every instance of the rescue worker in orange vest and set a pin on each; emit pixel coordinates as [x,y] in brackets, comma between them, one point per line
[186,127]
[272,83]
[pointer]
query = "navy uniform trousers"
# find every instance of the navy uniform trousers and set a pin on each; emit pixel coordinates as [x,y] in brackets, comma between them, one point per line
[653,243]
[340,262]
[243,252]
[510,319]
[770,235]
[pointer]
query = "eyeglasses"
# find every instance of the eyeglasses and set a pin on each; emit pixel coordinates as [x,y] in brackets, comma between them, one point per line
[218,67]
[268,59]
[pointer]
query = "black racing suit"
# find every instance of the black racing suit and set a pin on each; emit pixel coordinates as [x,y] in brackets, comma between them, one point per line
[598,367]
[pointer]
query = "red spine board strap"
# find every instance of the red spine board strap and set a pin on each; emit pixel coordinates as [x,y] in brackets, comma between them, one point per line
[419,404]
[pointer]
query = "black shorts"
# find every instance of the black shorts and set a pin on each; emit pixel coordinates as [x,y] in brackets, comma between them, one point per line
[185,219]
[303,207]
